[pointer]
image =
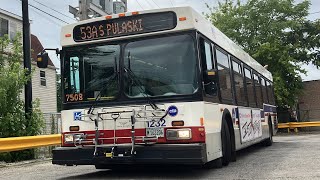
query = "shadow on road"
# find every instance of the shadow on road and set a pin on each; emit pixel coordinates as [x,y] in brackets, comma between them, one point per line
[163,171]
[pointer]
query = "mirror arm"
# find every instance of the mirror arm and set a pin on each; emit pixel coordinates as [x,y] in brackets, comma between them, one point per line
[51,49]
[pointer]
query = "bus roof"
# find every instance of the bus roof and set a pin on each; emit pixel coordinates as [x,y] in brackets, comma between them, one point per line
[186,18]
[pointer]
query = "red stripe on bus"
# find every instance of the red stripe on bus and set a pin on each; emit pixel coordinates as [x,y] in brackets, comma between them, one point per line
[198,136]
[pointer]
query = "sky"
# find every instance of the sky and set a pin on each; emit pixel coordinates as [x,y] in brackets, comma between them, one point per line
[47,28]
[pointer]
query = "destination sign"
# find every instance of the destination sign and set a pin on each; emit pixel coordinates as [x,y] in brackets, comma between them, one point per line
[124,26]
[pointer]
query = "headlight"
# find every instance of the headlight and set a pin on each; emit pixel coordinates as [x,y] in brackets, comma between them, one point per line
[68,138]
[77,137]
[176,134]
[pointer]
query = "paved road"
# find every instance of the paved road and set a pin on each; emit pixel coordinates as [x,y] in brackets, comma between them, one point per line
[290,157]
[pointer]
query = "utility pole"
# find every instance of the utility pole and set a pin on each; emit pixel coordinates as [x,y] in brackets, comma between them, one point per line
[27,57]
[97,8]
[83,9]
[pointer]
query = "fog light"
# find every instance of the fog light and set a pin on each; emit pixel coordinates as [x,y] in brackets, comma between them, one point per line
[184,134]
[77,137]
[68,138]
[176,134]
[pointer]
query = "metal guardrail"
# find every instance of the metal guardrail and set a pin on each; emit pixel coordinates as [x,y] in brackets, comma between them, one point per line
[28,142]
[295,125]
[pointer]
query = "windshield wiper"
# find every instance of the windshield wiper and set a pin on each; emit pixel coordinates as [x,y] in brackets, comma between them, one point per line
[138,83]
[98,97]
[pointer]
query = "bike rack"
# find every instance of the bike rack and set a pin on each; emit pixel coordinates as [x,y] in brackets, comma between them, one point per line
[142,116]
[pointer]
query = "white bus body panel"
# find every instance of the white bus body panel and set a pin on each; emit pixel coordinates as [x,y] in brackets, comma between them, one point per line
[193,21]
[189,112]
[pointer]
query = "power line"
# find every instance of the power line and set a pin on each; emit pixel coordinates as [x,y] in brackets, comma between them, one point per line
[48,19]
[315,12]
[171,3]
[46,13]
[155,3]
[149,4]
[140,5]
[53,9]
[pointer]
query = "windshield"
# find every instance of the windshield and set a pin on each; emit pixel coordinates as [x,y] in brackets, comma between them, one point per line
[163,67]
[91,72]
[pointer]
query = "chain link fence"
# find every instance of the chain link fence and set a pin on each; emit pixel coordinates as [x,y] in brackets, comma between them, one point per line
[52,125]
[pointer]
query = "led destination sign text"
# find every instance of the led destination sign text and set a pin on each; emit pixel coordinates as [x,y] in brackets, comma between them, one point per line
[124,26]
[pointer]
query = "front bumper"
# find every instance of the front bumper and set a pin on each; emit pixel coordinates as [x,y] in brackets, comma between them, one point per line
[191,154]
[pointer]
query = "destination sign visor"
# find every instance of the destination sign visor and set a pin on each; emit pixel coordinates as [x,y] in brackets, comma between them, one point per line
[123,26]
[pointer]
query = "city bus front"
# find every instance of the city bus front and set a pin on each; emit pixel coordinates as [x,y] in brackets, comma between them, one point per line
[132,101]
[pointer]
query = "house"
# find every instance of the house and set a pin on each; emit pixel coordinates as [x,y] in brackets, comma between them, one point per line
[43,80]
[308,101]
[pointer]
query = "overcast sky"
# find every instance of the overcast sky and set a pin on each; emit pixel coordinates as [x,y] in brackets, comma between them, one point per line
[47,28]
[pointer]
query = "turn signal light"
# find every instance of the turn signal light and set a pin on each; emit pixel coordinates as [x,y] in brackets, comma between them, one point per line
[182,18]
[67,35]
[135,13]
[177,123]
[108,17]
[74,128]
[201,121]
[122,14]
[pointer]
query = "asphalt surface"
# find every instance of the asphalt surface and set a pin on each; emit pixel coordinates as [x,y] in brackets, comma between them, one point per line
[290,157]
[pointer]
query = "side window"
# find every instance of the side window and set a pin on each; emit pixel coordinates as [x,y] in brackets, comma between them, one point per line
[250,88]
[258,91]
[238,84]
[4,27]
[264,90]
[270,92]
[210,85]
[224,77]
[13,30]
[43,80]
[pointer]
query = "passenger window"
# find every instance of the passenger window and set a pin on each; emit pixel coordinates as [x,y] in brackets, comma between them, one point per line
[270,93]
[238,84]
[257,86]
[224,77]
[209,82]
[264,91]
[250,88]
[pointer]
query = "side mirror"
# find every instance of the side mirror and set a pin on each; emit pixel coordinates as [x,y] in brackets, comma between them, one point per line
[211,75]
[42,60]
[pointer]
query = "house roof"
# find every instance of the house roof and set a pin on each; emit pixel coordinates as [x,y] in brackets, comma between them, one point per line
[37,47]
[10,14]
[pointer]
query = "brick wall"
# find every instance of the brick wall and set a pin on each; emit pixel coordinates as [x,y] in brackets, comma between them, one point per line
[309,101]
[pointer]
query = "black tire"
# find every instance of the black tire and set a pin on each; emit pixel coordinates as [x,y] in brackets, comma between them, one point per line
[269,141]
[217,163]
[225,143]
[101,166]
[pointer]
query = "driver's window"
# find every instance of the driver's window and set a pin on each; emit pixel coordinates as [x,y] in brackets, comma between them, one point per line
[74,75]
[207,66]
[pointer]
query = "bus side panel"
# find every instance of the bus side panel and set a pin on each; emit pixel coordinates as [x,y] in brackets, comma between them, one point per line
[212,123]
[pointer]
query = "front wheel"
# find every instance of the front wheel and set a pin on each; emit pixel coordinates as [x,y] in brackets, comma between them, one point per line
[225,143]
[269,141]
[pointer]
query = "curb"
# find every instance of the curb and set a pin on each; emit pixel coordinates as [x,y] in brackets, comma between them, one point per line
[23,163]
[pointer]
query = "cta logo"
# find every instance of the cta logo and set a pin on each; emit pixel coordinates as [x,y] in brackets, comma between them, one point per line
[77,116]
[172,111]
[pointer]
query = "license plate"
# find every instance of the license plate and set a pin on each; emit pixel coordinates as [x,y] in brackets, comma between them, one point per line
[158,131]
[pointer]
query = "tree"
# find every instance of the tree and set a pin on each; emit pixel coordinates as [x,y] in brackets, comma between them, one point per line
[275,33]
[12,115]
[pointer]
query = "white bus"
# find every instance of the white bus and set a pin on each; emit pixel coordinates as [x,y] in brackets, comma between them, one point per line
[159,87]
